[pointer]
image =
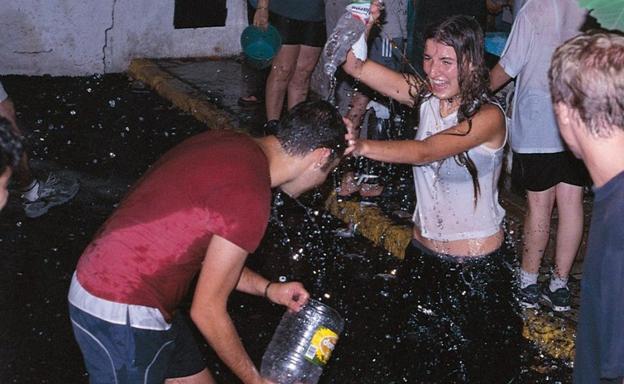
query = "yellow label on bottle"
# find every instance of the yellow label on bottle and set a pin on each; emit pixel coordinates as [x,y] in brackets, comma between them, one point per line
[321,346]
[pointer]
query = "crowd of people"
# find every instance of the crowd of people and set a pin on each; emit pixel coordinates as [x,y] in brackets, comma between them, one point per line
[463,323]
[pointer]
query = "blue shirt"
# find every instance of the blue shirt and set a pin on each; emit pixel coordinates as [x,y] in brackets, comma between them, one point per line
[600,330]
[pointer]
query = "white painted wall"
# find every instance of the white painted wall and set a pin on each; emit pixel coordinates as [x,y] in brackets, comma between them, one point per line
[83,37]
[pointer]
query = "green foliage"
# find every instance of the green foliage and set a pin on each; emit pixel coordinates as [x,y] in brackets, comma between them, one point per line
[609,13]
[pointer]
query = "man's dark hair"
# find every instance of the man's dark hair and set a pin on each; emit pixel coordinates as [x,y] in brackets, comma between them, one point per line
[311,125]
[11,147]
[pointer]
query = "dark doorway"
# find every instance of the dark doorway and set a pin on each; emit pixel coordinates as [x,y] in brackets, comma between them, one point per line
[199,13]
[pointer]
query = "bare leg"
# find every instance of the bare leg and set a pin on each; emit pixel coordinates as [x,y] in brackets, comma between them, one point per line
[203,377]
[357,108]
[536,229]
[299,84]
[277,82]
[570,226]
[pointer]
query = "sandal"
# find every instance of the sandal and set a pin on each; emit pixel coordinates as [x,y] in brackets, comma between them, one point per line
[371,190]
[249,101]
[369,186]
[348,186]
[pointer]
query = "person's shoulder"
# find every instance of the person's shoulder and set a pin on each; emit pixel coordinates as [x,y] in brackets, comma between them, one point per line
[490,110]
[490,116]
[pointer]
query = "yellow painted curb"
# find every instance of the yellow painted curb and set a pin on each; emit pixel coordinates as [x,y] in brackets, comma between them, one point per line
[553,335]
[371,222]
[180,94]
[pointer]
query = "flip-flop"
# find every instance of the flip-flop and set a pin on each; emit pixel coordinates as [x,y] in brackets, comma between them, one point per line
[371,190]
[348,187]
[249,101]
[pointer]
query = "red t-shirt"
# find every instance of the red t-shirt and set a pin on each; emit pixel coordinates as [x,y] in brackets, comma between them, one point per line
[149,250]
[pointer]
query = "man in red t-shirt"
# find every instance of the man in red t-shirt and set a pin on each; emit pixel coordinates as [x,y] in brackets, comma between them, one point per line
[201,209]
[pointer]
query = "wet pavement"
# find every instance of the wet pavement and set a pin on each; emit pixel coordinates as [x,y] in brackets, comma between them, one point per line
[107,130]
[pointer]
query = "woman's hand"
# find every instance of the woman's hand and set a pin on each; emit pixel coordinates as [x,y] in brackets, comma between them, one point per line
[356,147]
[261,16]
[292,295]
[355,144]
[376,8]
[352,138]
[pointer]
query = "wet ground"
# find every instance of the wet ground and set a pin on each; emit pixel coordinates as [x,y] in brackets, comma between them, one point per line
[106,130]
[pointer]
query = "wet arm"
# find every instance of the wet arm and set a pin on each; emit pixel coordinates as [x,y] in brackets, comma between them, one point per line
[291,294]
[487,128]
[219,275]
[498,77]
[251,282]
[383,80]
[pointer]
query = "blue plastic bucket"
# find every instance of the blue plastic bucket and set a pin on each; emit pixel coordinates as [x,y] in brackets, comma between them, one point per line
[260,46]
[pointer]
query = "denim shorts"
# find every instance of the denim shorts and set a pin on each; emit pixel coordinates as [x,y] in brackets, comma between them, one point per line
[115,353]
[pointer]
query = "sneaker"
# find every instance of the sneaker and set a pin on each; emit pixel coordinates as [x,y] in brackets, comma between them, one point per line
[529,296]
[52,192]
[270,127]
[558,300]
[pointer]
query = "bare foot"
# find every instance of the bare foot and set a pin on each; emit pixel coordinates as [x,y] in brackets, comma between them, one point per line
[371,190]
[348,185]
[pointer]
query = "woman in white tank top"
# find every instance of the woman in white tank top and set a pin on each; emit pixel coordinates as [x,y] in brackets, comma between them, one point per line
[456,276]
[458,121]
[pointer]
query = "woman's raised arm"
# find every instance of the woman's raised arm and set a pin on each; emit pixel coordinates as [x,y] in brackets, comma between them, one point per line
[399,86]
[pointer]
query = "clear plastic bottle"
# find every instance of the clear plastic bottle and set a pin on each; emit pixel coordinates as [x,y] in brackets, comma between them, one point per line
[302,344]
[346,33]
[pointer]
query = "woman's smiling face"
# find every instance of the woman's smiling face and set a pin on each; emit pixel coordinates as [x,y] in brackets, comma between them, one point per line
[440,65]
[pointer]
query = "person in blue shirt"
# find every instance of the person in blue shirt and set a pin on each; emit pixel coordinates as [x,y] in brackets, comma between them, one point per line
[586,79]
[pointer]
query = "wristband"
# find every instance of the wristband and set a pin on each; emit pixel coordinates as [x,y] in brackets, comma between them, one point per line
[266,290]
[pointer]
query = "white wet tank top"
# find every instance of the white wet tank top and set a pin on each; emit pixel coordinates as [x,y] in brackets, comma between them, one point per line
[445,205]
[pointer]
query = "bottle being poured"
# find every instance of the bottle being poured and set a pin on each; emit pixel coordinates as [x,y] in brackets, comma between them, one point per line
[349,33]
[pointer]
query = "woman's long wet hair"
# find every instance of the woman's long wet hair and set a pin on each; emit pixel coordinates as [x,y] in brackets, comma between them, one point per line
[465,35]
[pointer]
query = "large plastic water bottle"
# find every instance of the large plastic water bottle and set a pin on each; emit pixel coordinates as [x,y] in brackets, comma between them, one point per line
[349,29]
[302,345]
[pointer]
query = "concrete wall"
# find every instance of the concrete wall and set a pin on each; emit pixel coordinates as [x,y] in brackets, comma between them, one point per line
[83,37]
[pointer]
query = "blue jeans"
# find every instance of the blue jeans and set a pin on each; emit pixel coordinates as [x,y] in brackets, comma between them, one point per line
[119,353]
